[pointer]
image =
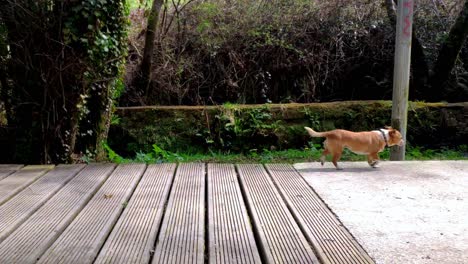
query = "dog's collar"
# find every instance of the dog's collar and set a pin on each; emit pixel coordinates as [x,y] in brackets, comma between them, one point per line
[384,137]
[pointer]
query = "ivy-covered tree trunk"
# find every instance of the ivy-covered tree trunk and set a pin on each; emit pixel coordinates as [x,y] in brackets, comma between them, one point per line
[64,63]
[147,60]
[102,131]
[448,54]
[95,126]
[106,45]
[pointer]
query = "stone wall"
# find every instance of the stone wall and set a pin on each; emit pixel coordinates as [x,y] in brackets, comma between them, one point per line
[240,128]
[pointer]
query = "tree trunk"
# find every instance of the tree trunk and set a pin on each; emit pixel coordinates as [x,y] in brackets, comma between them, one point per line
[103,124]
[5,88]
[464,56]
[419,66]
[390,6]
[5,95]
[448,54]
[146,63]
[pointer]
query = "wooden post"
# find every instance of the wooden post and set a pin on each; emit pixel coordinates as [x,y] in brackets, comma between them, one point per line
[401,73]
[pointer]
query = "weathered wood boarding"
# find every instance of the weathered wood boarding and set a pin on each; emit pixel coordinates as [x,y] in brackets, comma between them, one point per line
[7,169]
[134,235]
[25,203]
[231,238]
[181,238]
[281,239]
[332,242]
[82,239]
[20,180]
[103,213]
[27,243]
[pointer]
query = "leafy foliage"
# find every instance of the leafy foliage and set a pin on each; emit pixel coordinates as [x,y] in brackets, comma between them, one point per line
[234,127]
[112,155]
[212,52]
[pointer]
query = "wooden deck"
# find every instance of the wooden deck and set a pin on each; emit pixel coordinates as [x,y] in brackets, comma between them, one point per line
[167,213]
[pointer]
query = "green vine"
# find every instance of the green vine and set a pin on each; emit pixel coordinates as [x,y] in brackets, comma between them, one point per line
[102,29]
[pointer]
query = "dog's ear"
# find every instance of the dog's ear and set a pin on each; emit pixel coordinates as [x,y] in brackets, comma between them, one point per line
[388,127]
[391,132]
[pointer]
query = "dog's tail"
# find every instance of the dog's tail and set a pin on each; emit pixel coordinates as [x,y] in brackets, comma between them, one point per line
[313,133]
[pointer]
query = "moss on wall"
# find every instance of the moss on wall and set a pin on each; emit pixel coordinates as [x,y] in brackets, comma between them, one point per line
[241,128]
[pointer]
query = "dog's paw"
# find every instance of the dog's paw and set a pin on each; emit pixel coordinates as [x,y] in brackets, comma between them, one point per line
[374,164]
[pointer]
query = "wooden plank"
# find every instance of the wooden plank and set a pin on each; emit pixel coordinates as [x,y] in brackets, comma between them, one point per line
[231,239]
[19,208]
[82,239]
[32,238]
[7,169]
[11,166]
[332,242]
[20,180]
[181,239]
[134,235]
[280,238]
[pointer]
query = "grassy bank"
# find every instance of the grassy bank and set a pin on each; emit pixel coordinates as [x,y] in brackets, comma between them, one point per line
[159,155]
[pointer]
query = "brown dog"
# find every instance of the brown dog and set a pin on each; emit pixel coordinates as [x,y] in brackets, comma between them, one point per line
[368,143]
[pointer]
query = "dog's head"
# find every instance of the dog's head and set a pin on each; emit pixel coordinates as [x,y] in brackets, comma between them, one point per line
[394,137]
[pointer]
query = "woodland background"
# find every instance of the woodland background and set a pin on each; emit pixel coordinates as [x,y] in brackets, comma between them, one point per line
[66,65]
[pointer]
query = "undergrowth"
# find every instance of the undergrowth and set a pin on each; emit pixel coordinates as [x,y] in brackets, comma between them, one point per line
[212,52]
[308,154]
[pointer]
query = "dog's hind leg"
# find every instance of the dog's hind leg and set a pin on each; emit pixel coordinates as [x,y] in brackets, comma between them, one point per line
[324,155]
[336,157]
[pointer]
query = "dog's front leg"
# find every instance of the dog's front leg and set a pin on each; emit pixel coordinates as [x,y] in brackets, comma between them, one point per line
[373,160]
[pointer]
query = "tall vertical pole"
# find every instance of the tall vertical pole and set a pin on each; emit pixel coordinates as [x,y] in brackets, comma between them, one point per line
[401,73]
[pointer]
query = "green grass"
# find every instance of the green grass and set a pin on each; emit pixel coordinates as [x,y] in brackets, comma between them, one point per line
[284,156]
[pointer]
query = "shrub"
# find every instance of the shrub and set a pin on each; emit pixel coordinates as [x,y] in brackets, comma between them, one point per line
[302,51]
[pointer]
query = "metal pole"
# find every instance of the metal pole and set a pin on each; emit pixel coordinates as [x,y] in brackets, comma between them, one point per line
[401,73]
